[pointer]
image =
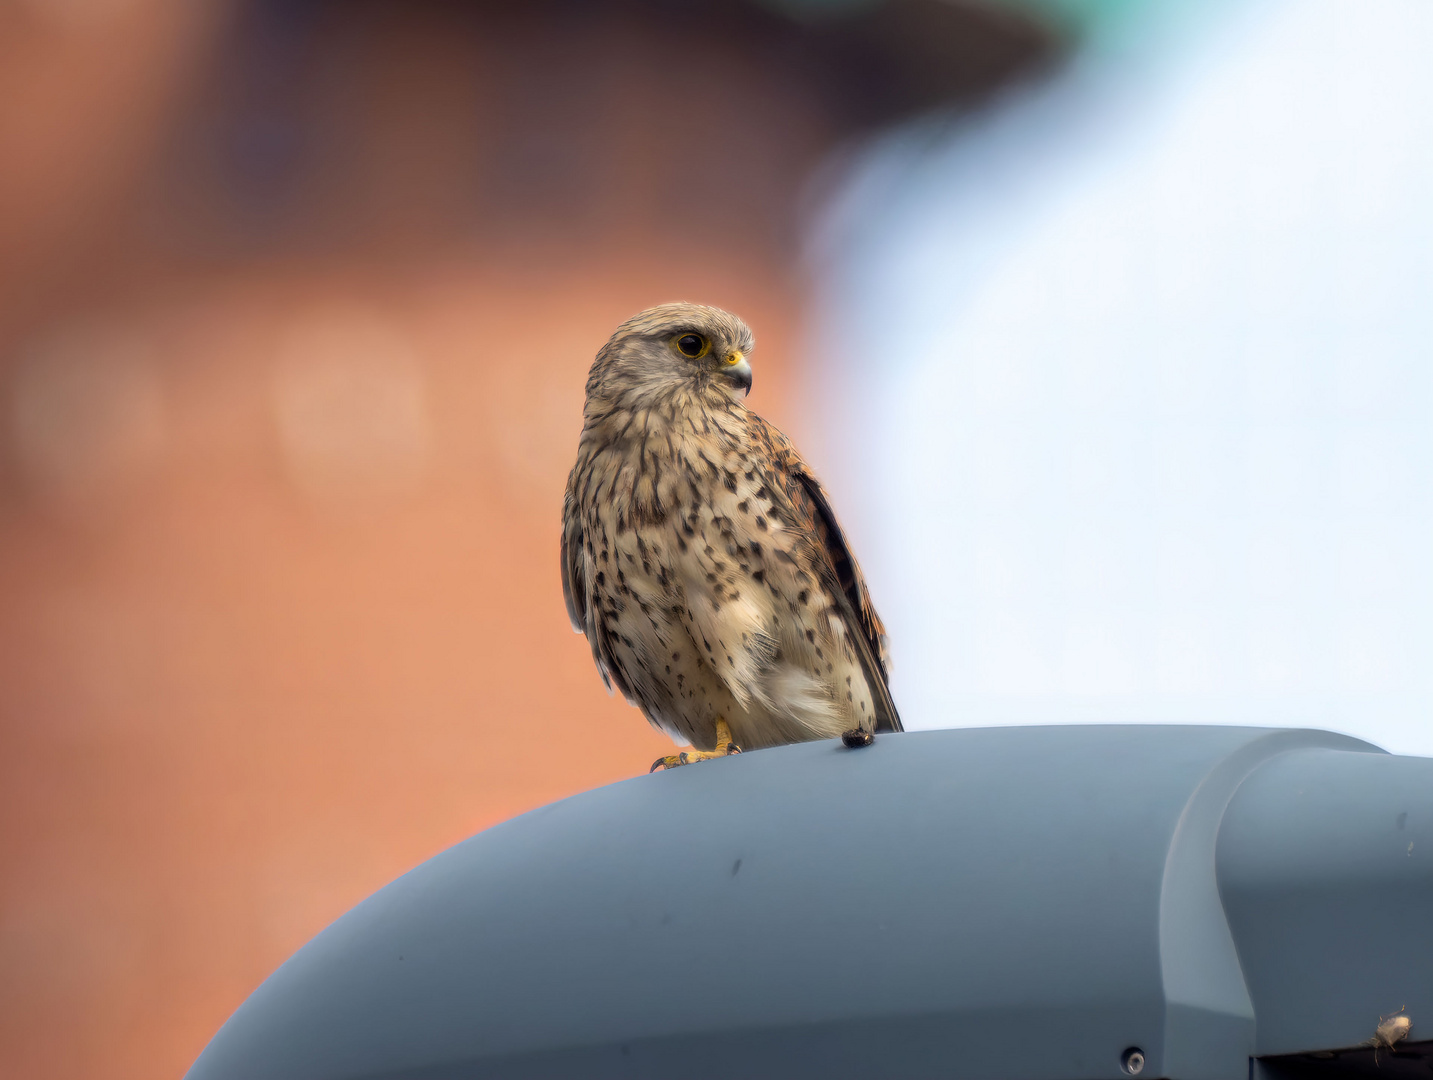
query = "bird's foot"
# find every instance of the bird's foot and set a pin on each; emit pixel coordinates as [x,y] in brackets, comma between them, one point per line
[725,747]
[686,757]
[857,737]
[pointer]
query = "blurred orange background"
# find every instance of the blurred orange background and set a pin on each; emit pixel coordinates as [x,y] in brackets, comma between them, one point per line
[296,304]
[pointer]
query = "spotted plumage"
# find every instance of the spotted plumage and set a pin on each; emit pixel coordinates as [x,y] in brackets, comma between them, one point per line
[700,555]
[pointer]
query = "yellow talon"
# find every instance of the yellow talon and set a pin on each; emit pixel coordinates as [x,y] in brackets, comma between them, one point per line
[725,747]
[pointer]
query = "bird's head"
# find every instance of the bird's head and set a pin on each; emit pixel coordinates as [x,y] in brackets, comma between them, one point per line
[674,349]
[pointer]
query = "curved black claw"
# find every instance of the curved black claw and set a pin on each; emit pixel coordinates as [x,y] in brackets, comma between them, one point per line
[857,737]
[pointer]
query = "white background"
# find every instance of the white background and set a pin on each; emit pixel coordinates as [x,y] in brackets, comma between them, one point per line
[1125,387]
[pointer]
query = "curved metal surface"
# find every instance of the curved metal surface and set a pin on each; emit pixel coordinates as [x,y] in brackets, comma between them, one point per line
[986,903]
[1325,867]
[1209,1022]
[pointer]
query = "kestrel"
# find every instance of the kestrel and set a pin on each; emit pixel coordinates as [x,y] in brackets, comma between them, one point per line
[701,557]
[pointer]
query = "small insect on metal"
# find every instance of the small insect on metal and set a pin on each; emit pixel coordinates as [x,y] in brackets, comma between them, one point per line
[1392,1029]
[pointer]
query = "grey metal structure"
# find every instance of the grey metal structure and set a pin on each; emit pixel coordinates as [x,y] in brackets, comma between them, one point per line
[1058,903]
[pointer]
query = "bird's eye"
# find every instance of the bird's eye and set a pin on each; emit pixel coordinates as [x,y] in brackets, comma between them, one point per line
[692,345]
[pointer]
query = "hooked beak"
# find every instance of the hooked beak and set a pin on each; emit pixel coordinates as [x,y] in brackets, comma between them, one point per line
[738,371]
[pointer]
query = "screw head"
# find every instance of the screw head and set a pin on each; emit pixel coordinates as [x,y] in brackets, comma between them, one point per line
[1132,1061]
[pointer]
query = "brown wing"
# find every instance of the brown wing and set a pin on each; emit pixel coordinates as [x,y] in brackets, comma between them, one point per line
[578,595]
[843,574]
[574,582]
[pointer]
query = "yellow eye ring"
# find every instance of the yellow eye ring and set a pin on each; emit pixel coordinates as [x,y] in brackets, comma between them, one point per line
[692,346]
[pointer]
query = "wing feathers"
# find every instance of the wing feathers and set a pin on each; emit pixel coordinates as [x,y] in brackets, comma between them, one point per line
[574,585]
[577,592]
[868,634]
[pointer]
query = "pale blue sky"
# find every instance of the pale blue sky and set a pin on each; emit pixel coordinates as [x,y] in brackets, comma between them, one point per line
[1135,381]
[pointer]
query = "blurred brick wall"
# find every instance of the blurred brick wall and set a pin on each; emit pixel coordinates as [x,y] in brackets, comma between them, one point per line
[296,304]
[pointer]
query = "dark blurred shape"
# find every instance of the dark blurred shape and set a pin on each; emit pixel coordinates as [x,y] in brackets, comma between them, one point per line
[553,121]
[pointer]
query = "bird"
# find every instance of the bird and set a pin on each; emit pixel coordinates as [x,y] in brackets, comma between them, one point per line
[701,556]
